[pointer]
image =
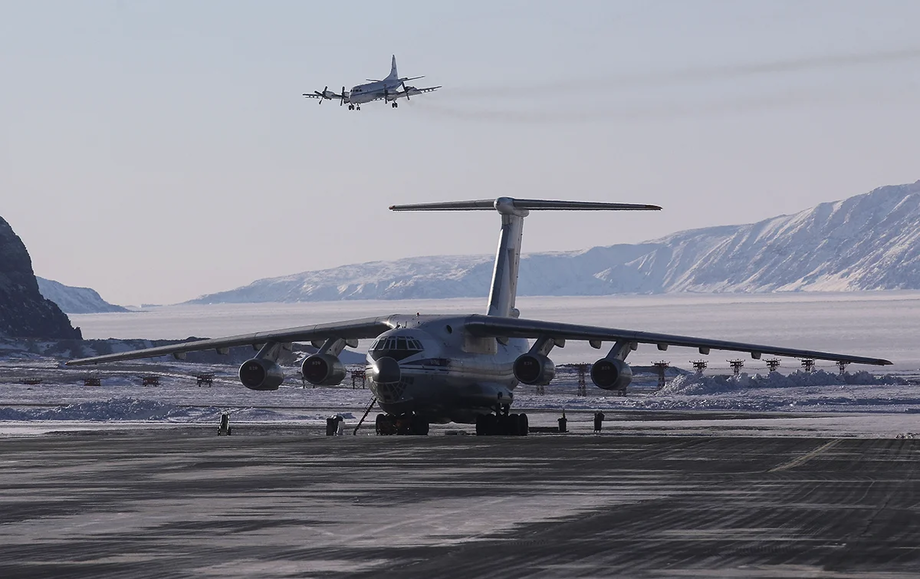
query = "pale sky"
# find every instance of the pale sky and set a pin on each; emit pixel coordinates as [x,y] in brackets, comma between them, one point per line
[157,151]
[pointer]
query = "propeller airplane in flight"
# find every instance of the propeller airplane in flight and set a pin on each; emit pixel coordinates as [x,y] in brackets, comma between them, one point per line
[387,89]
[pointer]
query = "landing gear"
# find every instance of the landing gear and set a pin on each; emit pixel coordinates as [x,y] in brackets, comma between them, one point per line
[354,107]
[395,105]
[387,424]
[502,424]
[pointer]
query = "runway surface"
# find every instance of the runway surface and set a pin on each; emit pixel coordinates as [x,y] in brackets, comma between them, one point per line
[281,501]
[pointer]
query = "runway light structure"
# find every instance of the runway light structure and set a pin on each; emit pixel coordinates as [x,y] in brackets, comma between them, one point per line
[843,367]
[736,365]
[699,365]
[772,364]
[808,364]
[582,384]
[661,367]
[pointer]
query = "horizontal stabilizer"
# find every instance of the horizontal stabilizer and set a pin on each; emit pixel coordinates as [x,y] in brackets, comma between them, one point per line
[526,204]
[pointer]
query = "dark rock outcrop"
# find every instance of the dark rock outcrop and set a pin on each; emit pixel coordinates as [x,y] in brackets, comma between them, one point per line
[24,312]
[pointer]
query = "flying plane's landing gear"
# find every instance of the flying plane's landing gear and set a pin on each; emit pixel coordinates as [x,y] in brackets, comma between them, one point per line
[395,105]
[404,424]
[502,424]
[354,107]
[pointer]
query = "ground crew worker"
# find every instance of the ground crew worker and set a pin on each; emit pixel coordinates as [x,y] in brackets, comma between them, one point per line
[598,421]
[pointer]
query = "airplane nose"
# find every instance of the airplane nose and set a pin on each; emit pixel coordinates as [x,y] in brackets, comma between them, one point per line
[385,370]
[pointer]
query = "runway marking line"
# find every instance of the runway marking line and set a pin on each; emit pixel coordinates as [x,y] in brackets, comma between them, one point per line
[805,457]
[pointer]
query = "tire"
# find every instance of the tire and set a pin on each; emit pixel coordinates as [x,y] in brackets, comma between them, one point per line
[493,424]
[419,426]
[523,425]
[480,425]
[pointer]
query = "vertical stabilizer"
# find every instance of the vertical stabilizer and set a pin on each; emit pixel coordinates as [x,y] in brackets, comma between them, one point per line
[513,211]
[503,292]
[393,74]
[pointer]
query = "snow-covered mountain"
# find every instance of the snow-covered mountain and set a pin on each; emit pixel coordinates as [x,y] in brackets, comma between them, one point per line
[75,300]
[866,242]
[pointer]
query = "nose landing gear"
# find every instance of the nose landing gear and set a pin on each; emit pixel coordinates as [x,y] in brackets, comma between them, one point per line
[502,424]
[387,424]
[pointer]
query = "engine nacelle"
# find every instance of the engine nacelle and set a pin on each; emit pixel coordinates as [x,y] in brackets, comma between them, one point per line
[611,374]
[261,374]
[323,370]
[534,369]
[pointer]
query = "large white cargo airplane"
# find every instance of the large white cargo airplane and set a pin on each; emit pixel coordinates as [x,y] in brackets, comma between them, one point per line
[386,89]
[428,368]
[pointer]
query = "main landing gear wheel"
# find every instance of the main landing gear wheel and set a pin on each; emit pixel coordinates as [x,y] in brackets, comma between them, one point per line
[395,105]
[502,425]
[413,424]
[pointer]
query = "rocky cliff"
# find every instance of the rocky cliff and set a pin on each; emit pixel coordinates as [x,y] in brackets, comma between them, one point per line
[24,312]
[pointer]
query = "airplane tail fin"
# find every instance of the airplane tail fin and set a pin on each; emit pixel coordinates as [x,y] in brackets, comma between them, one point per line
[393,74]
[508,257]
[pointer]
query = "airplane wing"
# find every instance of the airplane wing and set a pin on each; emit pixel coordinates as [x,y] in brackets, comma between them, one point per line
[501,327]
[349,330]
[328,95]
[412,91]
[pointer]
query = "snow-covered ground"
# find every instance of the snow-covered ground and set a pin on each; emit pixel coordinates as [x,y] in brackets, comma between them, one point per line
[860,404]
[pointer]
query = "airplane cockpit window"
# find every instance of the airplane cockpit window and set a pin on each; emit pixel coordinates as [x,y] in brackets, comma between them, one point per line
[396,347]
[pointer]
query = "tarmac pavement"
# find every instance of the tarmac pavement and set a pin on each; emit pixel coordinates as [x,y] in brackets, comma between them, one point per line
[284,501]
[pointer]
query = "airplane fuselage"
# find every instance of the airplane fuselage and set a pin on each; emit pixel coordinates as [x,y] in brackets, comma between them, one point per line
[365,93]
[445,374]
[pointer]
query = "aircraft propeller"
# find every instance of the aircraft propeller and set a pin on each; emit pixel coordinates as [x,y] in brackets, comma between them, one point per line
[405,89]
[322,95]
[342,101]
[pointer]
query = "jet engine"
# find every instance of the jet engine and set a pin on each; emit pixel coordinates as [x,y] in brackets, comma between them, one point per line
[611,374]
[261,374]
[534,369]
[323,370]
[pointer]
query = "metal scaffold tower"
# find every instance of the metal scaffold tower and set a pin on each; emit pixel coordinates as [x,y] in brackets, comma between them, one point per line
[661,367]
[772,364]
[843,367]
[582,386]
[699,365]
[808,364]
[736,365]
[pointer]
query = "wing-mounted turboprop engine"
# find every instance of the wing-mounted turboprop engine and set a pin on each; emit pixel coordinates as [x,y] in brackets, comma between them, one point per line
[325,95]
[324,367]
[263,371]
[535,367]
[612,372]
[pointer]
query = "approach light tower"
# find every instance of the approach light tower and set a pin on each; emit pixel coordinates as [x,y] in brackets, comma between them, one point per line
[736,365]
[808,364]
[582,384]
[699,365]
[843,367]
[772,364]
[661,367]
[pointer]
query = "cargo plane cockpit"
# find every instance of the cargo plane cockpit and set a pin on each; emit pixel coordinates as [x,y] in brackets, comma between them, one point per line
[425,369]
[387,89]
